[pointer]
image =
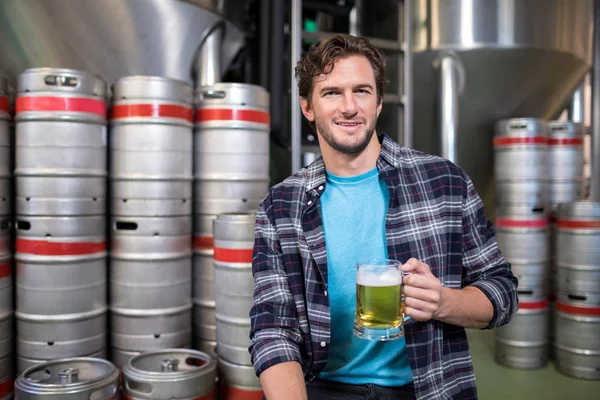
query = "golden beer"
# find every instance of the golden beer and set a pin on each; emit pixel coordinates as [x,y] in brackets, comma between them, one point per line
[379,309]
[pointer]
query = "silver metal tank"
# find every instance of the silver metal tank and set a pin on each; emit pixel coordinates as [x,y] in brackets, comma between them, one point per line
[238,382]
[69,379]
[117,38]
[176,374]
[489,60]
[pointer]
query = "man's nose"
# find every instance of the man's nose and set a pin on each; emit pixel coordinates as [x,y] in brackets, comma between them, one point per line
[349,106]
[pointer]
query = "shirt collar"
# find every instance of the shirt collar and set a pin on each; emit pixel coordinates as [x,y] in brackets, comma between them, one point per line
[315,174]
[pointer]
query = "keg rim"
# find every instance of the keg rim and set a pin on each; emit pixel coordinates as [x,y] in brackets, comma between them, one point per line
[580,209]
[24,384]
[132,371]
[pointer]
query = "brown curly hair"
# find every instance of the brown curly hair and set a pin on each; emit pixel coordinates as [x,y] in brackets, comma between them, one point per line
[322,56]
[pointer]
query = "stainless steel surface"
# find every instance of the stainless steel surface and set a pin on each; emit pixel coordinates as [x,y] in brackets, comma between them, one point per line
[451,86]
[295,54]
[577,345]
[209,60]
[533,279]
[576,109]
[170,374]
[6,377]
[523,342]
[239,377]
[522,234]
[69,379]
[595,150]
[114,38]
[519,61]
[408,73]
[204,294]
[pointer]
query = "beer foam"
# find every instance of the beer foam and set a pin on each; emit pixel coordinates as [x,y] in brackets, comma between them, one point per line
[387,278]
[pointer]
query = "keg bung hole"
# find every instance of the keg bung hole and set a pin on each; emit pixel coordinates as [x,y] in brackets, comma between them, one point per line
[27,198]
[157,335]
[244,200]
[4,199]
[21,225]
[156,234]
[124,200]
[126,226]
[94,199]
[576,297]
[195,361]
[525,292]
[184,200]
[538,209]
[50,343]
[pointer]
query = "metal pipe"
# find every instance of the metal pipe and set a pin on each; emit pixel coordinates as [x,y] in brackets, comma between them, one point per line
[296,49]
[595,150]
[408,74]
[277,70]
[576,108]
[209,63]
[449,88]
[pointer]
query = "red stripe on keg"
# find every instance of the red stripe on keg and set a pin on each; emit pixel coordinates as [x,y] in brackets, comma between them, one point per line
[521,223]
[565,142]
[4,104]
[228,114]
[46,248]
[567,223]
[233,255]
[509,141]
[51,103]
[151,110]
[6,387]
[232,393]
[569,309]
[203,242]
[5,270]
[210,396]
[533,305]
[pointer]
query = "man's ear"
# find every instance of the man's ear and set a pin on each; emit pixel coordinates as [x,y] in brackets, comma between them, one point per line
[306,109]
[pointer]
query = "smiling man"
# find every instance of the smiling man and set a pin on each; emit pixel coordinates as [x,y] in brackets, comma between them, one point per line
[369,198]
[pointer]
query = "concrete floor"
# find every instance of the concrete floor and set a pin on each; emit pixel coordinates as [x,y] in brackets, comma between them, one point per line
[497,382]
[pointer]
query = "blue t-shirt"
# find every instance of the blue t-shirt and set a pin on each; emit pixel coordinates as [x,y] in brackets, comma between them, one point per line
[354,211]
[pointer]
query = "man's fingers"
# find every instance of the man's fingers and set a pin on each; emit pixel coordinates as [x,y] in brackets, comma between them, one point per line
[420,305]
[421,281]
[416,314]
[416,267]
[427,295]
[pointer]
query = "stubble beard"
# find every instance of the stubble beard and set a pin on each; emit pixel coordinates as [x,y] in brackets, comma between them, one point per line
[346,148]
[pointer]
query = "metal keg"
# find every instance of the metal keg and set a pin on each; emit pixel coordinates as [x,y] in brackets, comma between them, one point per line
[151,147]
[533,193]
[231,134]
[151,263]
[61,265]
[234,285]
[577,334]
[69,378]
[215,197]
[60,150]
[238,382]
[523,342]
[26,363]
[5,153]
[205,326]
[522,234]
[177,374]
[578,247]
[565,150]
[520,147]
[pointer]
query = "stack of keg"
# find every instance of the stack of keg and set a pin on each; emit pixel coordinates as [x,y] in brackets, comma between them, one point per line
[577,330]
[520,147]
[151,216]
[6,325]
[170,374]
[69,379]
[231,174]
[234,288]
[60,170]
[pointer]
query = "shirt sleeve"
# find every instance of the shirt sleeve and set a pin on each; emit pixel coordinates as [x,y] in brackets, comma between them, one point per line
[485,267]
[275,334]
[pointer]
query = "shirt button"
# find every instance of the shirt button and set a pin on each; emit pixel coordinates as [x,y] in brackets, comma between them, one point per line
[309,202]
[323,344]
[325,293]
[321,187]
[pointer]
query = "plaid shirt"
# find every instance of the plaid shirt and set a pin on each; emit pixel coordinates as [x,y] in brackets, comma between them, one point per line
[434,215]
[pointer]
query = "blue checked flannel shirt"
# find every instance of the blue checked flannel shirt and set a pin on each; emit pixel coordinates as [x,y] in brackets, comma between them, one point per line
[434,215]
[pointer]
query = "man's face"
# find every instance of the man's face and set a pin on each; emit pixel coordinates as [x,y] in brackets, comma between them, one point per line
[344,105]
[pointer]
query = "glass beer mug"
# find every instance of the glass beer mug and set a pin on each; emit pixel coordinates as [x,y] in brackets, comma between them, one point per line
[379,300]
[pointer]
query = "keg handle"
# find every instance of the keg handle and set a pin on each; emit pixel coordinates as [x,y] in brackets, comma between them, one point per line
[108,392]
[213,94]
[134,387]
[61,80]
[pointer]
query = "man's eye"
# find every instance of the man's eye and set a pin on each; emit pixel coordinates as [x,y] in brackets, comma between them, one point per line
[329,93]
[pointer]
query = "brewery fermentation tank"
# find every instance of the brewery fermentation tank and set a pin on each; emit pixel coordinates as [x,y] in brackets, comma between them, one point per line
[475,62]
[116,38]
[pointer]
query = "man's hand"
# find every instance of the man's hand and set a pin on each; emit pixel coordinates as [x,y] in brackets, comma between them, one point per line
[422,291]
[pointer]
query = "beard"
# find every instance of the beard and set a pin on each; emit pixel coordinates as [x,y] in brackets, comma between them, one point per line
[350,148]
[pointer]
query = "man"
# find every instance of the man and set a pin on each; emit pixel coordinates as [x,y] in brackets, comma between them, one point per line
[368,197]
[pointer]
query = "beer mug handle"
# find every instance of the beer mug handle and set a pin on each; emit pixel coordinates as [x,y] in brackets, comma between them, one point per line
[404,274]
